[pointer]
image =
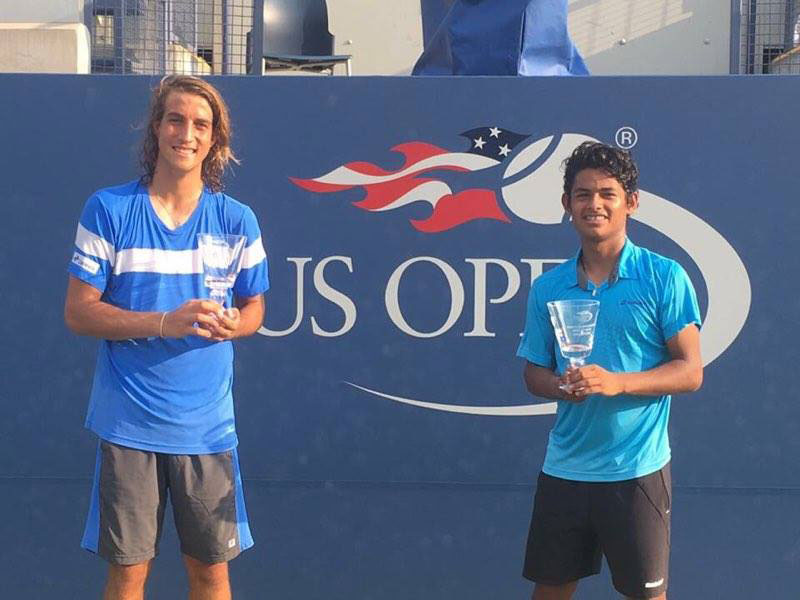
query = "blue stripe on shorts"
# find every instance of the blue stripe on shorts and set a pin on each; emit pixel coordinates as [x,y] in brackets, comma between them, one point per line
[91,532]
[245,538]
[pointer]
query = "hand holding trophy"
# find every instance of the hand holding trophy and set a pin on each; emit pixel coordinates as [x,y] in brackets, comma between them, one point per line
[574,324]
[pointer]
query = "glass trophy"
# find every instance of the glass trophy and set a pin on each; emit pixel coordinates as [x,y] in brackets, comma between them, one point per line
[222,259]
[574,323]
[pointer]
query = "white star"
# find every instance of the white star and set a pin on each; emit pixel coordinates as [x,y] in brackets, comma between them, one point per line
[479,143]
[494,132]
[504,150]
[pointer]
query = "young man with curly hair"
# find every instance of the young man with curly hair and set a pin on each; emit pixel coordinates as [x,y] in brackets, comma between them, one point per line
[161,402]
[605,486]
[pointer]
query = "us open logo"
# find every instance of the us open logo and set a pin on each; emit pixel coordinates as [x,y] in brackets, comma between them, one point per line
[527,184]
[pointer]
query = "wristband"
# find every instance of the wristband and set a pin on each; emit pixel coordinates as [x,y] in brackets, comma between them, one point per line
[161,324]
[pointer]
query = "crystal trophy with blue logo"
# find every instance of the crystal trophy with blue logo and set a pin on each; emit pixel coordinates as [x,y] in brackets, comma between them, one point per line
[222,259]
[574,323]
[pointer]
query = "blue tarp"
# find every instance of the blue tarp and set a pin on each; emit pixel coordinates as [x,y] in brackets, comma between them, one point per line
[502,37]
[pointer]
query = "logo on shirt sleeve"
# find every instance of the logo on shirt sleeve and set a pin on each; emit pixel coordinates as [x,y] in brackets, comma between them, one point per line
[87,264]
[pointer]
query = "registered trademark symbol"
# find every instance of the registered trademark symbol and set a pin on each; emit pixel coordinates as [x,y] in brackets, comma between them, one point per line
[626,137]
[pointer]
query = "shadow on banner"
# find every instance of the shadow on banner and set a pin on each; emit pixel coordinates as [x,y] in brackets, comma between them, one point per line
[498,37]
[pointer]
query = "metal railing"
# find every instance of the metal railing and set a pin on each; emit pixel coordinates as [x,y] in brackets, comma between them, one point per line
[196,37]
[770,37]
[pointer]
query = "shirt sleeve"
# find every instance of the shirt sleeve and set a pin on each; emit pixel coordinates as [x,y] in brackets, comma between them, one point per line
[253,278]
[94,252]
[679,306]
[538,340]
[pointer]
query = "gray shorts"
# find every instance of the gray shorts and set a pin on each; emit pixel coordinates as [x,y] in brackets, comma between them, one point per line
[130,494]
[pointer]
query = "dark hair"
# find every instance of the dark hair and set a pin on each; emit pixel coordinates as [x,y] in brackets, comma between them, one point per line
[615,162]
[220,154]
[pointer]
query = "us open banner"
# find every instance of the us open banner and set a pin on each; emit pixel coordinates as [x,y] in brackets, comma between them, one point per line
[388,445]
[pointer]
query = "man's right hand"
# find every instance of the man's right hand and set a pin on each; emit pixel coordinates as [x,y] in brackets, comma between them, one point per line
[593,379]
[568,396]
[544,383]
[567,391]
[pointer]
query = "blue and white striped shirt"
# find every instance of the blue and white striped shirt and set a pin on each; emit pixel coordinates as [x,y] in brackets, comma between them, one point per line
[162,395]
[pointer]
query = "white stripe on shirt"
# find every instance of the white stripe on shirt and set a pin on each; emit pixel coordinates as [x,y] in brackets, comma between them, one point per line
[93,245]
[155,260]
[177,262]
[253,254]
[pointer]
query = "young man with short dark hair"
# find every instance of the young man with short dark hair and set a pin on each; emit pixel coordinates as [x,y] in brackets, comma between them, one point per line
[605,485]
[161,400]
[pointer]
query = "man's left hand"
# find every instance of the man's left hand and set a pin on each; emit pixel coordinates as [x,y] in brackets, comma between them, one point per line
[593,379]
[226,325]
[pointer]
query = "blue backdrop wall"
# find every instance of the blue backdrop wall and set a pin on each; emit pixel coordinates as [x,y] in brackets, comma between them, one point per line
[388,445]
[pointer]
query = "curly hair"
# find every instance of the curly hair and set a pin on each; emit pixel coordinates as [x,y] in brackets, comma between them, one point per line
[220,154]
[615,162]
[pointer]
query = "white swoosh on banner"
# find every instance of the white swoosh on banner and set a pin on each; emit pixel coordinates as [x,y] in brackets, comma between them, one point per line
[522,410]
[726,278]
[727,282]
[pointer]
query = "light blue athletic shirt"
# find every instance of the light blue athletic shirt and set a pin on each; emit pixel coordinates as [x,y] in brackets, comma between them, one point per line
[163,395]
[647,300]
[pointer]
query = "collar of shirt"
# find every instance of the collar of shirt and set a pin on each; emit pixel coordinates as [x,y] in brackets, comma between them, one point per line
[625,268]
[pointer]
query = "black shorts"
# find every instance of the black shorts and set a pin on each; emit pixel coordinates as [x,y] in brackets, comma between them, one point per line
[575,523]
